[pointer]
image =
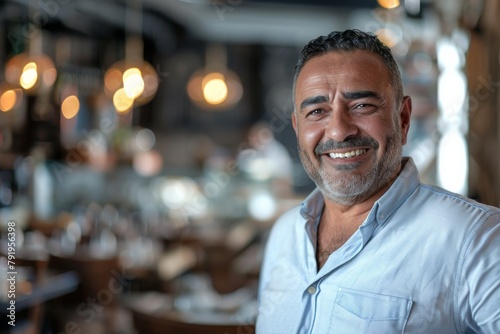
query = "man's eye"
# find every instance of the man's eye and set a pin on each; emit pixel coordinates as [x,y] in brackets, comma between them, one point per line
[315,112]
[364,107]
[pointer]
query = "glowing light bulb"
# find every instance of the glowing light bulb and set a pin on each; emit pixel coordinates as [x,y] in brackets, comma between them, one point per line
[34,73]
[138,78]
[215,89]
[29,76]
[388,4]
[133,83]
[8,100]
[70,107]
[122,101]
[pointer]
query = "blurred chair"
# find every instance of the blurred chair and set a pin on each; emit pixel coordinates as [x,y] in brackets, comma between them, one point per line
[95,274]
[38,264]
[31,267]
[155,324]
[99,284]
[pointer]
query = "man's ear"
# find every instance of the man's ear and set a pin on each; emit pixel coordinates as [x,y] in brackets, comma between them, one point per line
[294,122]
[405,116]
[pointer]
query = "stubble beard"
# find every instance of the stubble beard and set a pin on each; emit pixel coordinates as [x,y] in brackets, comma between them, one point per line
[352,187]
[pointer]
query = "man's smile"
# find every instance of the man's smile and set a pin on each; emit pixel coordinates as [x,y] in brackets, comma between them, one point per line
[348,154]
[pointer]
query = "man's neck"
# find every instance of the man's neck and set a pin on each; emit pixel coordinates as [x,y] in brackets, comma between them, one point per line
[339,222]
[361,209]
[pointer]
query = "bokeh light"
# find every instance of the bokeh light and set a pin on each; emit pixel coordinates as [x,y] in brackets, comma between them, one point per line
[122,102]
[70,107]
[29,76]
[33,73]
[388,4]
[133,83]
[8,100]
[214,88]
[137,79]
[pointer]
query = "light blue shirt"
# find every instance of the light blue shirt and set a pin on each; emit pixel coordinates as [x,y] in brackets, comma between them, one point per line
[424,261]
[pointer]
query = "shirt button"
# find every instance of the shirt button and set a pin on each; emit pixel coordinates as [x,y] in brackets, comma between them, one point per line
[381,216]
[311,290]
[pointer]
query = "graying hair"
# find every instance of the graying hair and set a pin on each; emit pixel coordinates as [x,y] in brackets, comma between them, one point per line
[351,40]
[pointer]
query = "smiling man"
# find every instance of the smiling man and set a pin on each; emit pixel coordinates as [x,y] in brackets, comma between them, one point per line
[372,250]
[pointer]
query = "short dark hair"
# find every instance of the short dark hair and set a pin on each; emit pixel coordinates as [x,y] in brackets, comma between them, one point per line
[351,40]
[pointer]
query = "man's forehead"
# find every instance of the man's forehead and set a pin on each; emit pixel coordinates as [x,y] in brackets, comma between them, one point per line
[344,67]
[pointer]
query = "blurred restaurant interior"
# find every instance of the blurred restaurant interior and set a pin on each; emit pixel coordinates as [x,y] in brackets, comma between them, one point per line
[146,146]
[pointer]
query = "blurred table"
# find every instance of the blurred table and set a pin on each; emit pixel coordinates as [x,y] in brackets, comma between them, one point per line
[51,287]
[48,288]
[155,313]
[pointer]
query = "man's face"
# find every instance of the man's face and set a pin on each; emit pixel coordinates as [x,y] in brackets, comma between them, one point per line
[349,126]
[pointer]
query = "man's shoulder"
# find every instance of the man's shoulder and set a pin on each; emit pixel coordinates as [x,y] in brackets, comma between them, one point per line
[289,218]
[436,198]
[454,204]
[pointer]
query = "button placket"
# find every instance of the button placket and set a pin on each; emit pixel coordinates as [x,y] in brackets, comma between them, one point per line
[311,290]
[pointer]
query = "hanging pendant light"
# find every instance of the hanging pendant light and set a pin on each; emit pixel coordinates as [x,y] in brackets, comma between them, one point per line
[389,4]
[32,70]
[131,81]
[215,87]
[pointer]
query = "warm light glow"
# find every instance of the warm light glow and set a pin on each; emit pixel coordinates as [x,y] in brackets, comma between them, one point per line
[35,73]
[70,107]
[113,80]
[214,88]
[388,4]
[8,100]
[138,78]
[150,84]
[194,88]
[122,101]
[133,83]
[29,76]
[214,91]
[390,36]
[49,77]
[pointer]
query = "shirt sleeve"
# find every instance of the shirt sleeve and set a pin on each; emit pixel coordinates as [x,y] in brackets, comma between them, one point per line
[478,279]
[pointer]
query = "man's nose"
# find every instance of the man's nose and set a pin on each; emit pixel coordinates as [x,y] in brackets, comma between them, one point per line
[340,126]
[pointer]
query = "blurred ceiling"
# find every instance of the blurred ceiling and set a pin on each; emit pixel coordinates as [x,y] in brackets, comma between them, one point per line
[275,22]
[263,21]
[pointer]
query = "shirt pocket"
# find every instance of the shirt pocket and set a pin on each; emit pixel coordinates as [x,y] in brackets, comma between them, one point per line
[359,312]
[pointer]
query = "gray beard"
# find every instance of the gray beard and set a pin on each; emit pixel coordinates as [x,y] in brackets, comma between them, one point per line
[354,188]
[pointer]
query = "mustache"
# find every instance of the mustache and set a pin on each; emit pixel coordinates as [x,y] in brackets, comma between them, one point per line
[351,142]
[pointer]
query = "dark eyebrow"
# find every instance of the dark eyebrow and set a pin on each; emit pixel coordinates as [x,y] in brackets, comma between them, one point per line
[360,95]
[313,100]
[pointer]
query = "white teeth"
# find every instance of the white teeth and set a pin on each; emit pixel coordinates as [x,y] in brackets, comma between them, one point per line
[348,154]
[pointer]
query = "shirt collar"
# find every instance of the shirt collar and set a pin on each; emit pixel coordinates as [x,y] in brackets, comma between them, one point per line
[312,205]
[407,180]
